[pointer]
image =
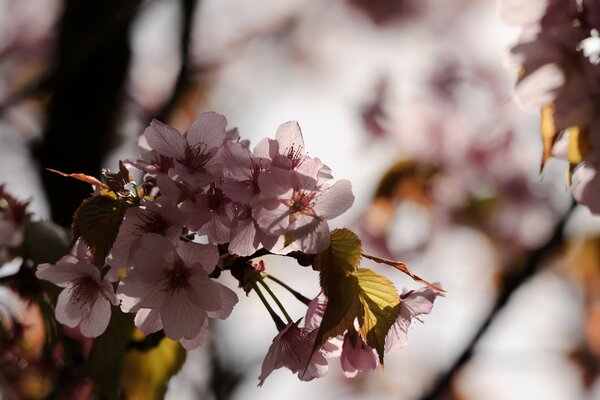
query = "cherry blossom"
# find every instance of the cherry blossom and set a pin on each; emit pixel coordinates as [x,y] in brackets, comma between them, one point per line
[292,348]
[357,355]
[86,297]
[194,151]
[173,279]
[412,304]
[159,216]
[293,203]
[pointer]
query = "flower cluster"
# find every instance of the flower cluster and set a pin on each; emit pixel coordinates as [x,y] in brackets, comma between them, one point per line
[209,204]
[204,185]
[559,53]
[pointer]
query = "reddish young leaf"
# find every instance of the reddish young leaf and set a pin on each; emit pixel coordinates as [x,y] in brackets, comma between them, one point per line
[402,267]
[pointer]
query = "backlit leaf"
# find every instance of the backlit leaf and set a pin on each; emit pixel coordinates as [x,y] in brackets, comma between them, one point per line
[380,306]
[337,266]
[97,222]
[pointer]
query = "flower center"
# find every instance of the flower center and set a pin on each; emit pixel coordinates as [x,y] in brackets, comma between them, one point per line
[85,290]
[216,198]
[197,156]
[301,203]
[152,222]
[177,277]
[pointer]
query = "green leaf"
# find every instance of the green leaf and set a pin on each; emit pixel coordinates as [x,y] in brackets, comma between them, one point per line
[106,358]
[147,373]
[380,306]
[45,242]
[97,222]
[344,252]
[337,266]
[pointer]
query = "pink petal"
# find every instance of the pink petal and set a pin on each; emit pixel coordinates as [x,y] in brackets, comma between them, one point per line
[243,238]
[317,368]
[198,340]
[207,255]
[237,160]
[135,293]
[538,88]
[181,318]
[228,300]
[412,305]
[68,312]
[95,323]
[209,129]
[203,292]
[165,140]
[153,253]
[335,200]
[289,136]
[314,241]
[148,320]
[360,357]
[60,274]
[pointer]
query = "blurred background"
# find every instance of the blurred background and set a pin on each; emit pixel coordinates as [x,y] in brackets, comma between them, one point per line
[411,100]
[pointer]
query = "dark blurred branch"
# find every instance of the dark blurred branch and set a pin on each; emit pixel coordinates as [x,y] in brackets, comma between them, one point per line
[92,62]
[223,381]
[188,9]
[531,265]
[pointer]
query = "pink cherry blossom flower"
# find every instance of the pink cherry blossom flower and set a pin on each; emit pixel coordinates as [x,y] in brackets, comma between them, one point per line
[159,216]
[412,304]
[292,348]
[246,236]
[287,151]
[357,355]
[149,321]
[241,172]
[173,279]
[211,214]
[194,151]
[86,297]
[294,203]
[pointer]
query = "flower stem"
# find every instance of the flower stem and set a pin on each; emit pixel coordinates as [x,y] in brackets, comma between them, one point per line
[296,294]
[278,322]
[268,289]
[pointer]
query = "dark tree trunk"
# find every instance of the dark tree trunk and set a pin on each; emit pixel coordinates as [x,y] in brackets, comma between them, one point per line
[91,67]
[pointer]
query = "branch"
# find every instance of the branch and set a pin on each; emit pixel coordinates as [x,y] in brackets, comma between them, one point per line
[188,9]
[511,283]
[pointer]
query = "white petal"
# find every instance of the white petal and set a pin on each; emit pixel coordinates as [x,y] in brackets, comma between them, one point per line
[209,129]
[334,200]
[95,323]
[68,312]
[165,140]
[148,320]
[181,318]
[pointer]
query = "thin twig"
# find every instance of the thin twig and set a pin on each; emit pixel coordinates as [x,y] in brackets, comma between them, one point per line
[294,293]
[281,307]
